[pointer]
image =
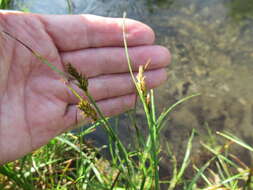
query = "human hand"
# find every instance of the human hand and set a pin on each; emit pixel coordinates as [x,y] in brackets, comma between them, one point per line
[35,105]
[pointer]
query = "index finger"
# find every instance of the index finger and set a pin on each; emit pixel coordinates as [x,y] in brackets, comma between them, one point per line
[74,32]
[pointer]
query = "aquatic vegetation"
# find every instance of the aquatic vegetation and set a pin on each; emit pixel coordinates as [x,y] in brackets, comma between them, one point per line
[70,162]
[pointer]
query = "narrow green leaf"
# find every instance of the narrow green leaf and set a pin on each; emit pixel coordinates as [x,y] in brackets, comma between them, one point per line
[163,116]
[235,139]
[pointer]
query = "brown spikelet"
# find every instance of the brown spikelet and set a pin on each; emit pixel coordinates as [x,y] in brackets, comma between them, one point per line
[141,79]
[81,79]
[87,110]
[141,83]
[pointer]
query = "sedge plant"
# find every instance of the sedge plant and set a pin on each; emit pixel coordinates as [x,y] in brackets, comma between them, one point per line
[135,174]
[82,166]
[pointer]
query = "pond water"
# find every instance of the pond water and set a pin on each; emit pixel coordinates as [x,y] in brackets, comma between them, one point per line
[212,47]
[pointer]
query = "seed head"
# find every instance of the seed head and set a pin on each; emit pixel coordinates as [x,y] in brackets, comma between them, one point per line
[87,110]
[81,79]
[141,79]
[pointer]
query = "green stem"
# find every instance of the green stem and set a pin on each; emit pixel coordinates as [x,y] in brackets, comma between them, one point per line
[151,125]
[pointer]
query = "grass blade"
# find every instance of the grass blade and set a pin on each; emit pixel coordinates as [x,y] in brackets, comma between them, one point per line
[235,139]
[163,116]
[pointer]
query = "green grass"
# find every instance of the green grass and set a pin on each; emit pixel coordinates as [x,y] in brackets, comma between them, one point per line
[70,162]
[5,4]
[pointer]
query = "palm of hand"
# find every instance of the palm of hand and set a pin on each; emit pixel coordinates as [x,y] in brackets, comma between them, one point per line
[35,104]
[32,103]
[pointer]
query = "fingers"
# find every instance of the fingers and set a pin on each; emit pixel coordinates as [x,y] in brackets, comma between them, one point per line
[110,86]
[94,62]
[109,107]
[73,32]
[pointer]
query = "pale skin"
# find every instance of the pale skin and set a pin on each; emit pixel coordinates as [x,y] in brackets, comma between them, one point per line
[35,104]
